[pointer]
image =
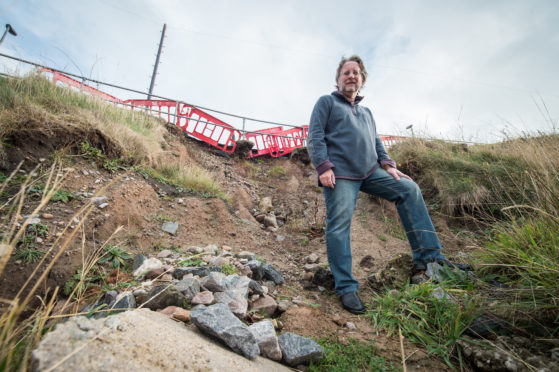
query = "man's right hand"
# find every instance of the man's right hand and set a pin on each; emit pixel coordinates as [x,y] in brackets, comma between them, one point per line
[328,179]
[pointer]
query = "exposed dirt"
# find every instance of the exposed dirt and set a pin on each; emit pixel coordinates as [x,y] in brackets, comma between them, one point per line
[141,205]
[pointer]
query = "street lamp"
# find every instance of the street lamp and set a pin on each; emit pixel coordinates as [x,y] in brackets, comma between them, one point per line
[410,127]
[9,29]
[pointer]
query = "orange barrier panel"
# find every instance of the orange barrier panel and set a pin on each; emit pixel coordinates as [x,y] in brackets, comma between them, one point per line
[59,77]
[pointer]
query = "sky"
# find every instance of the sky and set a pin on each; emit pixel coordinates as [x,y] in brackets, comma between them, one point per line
[471,70]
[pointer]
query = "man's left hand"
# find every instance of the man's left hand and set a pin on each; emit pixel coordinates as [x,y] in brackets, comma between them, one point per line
[397,174]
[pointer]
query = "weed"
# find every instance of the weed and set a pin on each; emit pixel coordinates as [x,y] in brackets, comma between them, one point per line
[382,238]
[115,255]
[29,255]
[190,262]
[350,356]
[276,171]
[59,195]
[424,319]
[304,242]
[165,218]
[80,281]
[229,269]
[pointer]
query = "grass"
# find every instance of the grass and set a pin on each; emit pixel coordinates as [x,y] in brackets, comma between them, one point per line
[424,319]
[350,356]
[60,195]
[276,171]
[29,255]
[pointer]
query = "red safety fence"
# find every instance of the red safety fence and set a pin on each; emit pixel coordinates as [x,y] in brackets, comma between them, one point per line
[275,141]
[80,85]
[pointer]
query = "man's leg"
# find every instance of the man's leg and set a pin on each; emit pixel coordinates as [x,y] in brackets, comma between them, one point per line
[340,204]
[413,213]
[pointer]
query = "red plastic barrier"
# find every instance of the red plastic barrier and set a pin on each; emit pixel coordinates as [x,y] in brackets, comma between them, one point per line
[196,123]
[274,145]
[389,141]
[57,76]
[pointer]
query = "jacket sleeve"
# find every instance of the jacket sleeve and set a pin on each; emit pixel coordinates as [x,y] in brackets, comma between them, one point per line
[316,143]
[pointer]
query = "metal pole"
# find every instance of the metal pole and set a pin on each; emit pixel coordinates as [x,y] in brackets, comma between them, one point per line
[243,135]
[157,61]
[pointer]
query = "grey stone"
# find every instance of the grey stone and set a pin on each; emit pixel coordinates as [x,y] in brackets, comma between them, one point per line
[256,287]
[311,268]
[211,248]
[110,297]
[283,306]
[195,250]
[312,258]
[204,298]
[266,204]
[280,238]
[271,273]
[195,270]
[299,350]
[103,206]
[256,268]
[123,302]
[164,295]
[189,287]
[141,295]
[170,227]
[270,221]
[236,296]
[246,255]
[138,261]
[265,335]
[218,321]
[215,282]
[98,200]
[165,253]
[433,272]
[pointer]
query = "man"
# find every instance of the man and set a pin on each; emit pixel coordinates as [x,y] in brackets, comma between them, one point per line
[349,157]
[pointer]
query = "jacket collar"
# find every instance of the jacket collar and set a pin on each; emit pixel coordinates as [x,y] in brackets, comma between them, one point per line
[339,95]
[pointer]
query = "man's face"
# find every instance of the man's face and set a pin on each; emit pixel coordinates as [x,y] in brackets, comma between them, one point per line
[350,80]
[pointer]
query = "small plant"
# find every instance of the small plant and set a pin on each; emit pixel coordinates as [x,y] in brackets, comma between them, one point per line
[434,323]
[59,195]
[229,269]
[382,238]
[276,171]
[190,262]
[81,280]
[304,242]
[350,356]
[165,218]
[29,255]
[115,255]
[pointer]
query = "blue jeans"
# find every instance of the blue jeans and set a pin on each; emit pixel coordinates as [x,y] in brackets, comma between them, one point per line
[340,205]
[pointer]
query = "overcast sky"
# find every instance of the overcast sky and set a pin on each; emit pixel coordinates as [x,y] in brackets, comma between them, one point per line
[454,69]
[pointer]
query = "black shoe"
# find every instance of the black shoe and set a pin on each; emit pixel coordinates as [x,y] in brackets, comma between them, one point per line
[352,303]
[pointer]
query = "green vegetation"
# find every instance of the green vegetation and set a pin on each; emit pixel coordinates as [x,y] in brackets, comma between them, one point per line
[276,171]
[81,281]
[112,165]
[350,356]
[60,195]
[29,255]
[229,269]
[434,323]
[191,262]
[115,255]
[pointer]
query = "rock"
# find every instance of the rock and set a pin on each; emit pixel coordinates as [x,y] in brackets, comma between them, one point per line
[260,217]
[433,272]
[266,338]
[170,227]
[313,268]
[367,262]
[256,268]
[155,273]
[395,274]
[165,253]
[350,325]
[272,274]
[324,278]
[47,216]
[219,261]
[265,305]
[299,350]
[218,321]
[195,250]
[255,287]
[215,282]
[103,206]
[189,287]
[148,265]
[138,261]
[110,297]
[246,255]
[270,221]
[177,313]
[140,295]
[211,248]
[308,276]
[312,258]
[203,298]
[283,306]
[236,295]
[139,340]
[226,248]
[164,295]
[301,154]
[266,204]
[98,200]
[123,302]
[195,270]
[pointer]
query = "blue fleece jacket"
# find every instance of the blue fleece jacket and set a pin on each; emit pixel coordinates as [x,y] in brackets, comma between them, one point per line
[343,137]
